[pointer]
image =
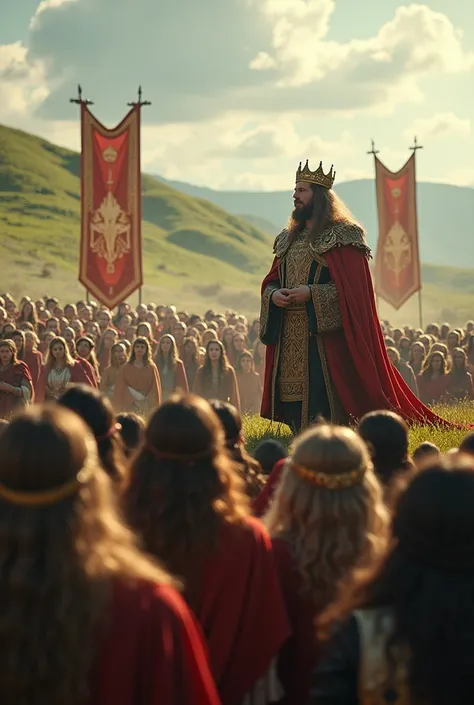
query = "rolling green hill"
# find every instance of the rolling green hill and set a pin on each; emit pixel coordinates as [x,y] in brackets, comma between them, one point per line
[195,253]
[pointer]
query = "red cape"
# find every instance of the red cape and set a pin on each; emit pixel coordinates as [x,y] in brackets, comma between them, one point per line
[363,376]
[80,374]
[152,652]
[241,609]
[262,502]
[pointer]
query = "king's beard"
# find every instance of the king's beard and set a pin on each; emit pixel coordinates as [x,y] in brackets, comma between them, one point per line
[301,214]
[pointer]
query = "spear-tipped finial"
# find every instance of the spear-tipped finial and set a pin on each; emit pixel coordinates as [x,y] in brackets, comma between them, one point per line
[416,145]
[373,150]
[139,102]
[79,100]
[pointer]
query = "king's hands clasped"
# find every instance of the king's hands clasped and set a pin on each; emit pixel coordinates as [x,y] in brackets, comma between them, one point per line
[285,297]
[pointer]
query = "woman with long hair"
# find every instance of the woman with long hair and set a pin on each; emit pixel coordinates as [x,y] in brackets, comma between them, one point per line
[327,519]
[186,501]
[85,348]
[118,358]
[96,410]
[33,357]
[18,338]
[28,315]
[386,437]
[433,380]
[216,378]
[190,360]
[249,469]
[250,384]
[171,368]
[460,386]
[61,370]
[144,330]
[16,384]
[417,357]
[94,620]
[410,620]
[138,386]
[107,341]
[259,357]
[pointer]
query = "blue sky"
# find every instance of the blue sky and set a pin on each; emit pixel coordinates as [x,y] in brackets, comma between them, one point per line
[242,90]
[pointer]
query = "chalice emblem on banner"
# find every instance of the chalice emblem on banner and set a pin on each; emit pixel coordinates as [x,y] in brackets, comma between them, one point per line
[110,226]
[397,247]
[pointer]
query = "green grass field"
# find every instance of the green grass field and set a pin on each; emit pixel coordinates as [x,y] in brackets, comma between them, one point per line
[257,429]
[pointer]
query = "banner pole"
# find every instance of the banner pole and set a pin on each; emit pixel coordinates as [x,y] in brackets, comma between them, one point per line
[139,104]
[80,101]
[414,149]
[374,152]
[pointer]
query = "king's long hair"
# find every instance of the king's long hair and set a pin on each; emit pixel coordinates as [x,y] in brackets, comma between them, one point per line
[325,210]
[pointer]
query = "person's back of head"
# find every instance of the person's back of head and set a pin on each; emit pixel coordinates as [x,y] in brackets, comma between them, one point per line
[329,506]
[132,431]
[96,410]
[62,545]
[268,453]
[386,436]
[425,453]
[467,445]
[183,486]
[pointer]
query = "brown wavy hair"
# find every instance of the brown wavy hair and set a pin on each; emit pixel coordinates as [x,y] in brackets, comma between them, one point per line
[58,340]
[160,361]
[58,562]
[331,531]
[8,343]
[183,486]
[147,359]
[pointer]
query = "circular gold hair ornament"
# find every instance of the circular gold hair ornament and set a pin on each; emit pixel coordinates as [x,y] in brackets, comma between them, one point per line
[330,482]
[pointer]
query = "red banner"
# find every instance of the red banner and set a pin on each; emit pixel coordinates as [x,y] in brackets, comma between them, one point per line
[397,261]
[111,249]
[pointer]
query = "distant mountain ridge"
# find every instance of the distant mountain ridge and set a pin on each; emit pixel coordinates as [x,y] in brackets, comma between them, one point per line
[445,214]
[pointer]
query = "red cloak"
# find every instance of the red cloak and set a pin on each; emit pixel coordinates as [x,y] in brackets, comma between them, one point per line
[13,375]
[363,376]
[241,609]
[263,500]
[80,374]
[152,652]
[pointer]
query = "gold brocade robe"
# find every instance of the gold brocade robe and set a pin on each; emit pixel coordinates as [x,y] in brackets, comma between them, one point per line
[300,264]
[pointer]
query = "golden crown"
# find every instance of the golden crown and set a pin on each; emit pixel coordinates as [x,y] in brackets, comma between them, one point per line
[316,177]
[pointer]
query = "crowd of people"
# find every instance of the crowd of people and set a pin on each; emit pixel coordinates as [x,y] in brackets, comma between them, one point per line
[436,363]
[147,559]
[139,358]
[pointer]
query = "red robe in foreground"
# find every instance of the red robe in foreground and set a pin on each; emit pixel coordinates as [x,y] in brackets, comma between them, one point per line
[152,652]
[241,609]
[363,377]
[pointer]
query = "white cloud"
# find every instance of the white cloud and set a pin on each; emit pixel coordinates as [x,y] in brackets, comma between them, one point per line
[22,85]
[277,56]
[439,124]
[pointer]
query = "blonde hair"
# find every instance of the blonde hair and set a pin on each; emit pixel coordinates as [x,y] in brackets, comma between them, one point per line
[329,507]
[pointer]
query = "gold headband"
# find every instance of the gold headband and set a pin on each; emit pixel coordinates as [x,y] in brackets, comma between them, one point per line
[330,482]
[46,497]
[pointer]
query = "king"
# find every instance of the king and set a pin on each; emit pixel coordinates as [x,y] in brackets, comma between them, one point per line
[325,354]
